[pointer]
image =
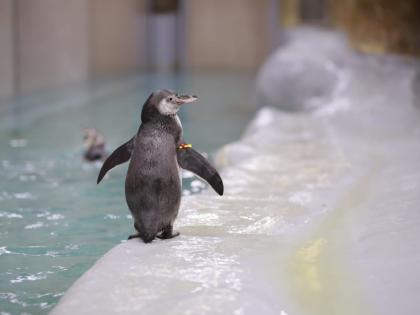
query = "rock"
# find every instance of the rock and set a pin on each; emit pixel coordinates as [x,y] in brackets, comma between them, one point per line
[304,72]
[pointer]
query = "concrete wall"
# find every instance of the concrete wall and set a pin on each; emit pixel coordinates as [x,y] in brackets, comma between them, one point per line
[48,43]
[53,42]
[118,34]
[6,49]
[227,35]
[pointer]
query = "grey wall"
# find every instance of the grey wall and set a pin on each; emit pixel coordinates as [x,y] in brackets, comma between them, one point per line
[228,35]
[118,36]
[6,49]
[52,43]
[49,43]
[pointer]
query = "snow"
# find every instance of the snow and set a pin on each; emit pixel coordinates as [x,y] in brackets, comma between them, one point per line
[321,211]
[306,74]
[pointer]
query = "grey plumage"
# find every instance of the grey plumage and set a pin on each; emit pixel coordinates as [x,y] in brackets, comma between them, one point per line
[153,185]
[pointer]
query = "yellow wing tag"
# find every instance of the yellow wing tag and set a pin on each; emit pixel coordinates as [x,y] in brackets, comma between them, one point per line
[184,146]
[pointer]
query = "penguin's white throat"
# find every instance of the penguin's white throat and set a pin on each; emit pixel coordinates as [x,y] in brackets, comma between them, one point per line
[168,108]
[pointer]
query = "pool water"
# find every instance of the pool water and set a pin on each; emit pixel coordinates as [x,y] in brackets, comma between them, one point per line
[54,220]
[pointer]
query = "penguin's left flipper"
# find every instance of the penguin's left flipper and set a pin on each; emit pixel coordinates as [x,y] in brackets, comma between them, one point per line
[193,161]
[121,155]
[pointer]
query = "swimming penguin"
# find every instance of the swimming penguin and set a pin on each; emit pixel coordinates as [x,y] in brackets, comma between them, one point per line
[153,184]
[94,143]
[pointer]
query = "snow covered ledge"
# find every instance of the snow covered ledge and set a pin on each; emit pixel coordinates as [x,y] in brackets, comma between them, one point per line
[233,252]
[320,214]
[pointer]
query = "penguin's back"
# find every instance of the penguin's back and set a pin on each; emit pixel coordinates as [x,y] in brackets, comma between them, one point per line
[153,185]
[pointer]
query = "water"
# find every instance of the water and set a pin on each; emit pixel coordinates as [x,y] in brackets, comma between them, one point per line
[55,221]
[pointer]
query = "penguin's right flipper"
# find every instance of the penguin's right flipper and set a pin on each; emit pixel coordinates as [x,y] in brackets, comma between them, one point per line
[121,155]
[193,161]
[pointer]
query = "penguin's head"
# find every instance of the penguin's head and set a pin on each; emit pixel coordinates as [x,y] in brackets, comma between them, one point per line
[164,103]
[92,138]
[170,102]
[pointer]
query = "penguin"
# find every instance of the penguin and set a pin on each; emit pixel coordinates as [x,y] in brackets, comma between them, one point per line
[156,152]
[94,143]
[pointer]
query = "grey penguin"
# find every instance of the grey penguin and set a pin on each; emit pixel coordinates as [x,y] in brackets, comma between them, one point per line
[94,143]
[153,183]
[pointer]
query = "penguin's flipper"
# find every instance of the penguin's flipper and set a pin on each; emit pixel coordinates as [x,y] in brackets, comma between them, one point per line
[121,155]
[193,161]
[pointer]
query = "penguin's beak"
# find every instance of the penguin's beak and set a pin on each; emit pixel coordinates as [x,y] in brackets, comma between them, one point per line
[183,99]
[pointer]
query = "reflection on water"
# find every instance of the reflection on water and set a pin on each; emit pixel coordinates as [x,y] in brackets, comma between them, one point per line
[54,220]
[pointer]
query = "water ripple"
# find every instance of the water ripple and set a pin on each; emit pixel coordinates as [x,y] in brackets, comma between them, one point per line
[32,277]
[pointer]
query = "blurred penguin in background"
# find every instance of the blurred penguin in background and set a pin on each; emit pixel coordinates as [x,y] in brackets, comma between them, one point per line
[94,144]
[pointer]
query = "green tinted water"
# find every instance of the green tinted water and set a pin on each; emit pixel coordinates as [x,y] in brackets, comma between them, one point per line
[54,220]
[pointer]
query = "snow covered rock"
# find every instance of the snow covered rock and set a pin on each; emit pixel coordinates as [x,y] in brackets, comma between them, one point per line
[304,72]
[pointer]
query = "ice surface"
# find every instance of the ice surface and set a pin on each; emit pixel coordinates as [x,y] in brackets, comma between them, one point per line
[321,211]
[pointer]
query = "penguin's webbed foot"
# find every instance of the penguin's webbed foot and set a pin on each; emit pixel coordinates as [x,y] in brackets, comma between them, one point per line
[164,236]
[133,236]
[145,238]
[168,233]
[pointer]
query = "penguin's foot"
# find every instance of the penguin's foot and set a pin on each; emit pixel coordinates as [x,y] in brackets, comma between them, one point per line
[145,238]
[164,236]
[133,236]
[168,233]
